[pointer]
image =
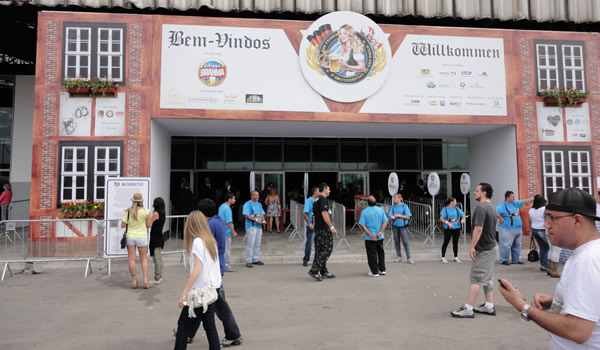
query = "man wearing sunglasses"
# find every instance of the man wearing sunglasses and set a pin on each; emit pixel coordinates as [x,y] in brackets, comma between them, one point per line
[572,314]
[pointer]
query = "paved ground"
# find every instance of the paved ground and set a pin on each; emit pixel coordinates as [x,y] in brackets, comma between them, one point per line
[278,306]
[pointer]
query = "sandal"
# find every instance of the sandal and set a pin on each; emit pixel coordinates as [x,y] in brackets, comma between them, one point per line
[147,285]
[134,285]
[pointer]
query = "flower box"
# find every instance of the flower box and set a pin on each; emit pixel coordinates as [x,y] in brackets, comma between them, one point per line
[94,87]
[561,97]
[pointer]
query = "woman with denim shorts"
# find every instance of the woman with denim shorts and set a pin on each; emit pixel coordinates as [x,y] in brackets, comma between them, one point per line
[137,219]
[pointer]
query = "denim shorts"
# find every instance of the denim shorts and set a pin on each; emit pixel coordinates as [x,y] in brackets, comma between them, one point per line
[138,242]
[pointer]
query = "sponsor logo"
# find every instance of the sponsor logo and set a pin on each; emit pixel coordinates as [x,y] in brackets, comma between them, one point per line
[465,72]
[462,84]
[569,121]
[203,99]
[484,74]
[254,98]
[431,84]
[230,98]
[425,71]
[443,103]
[433,103]
[173,97]
[577,121]
[455,104]
[212,72]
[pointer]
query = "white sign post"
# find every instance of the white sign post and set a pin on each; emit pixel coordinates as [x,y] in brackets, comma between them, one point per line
[119,191]
[433,186]
[393,185]
[465,187]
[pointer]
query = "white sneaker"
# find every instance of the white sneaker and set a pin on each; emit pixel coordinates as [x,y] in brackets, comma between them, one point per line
[444,260]
[157,282]
[399,259]
[382,273]
[410,261]
[457,260]
[373,275]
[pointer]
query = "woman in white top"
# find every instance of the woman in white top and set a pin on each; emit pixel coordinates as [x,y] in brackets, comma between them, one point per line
[201,246]
[538,231]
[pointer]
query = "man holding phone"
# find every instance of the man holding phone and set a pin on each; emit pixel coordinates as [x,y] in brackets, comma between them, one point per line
[572,314]
[483,254]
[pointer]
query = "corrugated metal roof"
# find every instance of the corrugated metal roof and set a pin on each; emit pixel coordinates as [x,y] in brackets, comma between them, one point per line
[575,11]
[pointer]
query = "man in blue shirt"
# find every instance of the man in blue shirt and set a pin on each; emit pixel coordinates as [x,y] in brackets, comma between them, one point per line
[400,214]
[310,225]
[373,222]
[226,215]
[509,229]
[254,215]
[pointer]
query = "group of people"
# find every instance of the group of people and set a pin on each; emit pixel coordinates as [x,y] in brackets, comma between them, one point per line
[572,314]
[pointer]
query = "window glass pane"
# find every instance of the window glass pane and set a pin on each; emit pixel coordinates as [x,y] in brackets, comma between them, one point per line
[458,156]
[84,72]
[353,156]
[325,155]
[80,167]
[72,34]
[85,34]
[104,60]
[101,166]
[113,166]
[6,120]
[182,155]
[99,181]
[116,47]
[68,181]
[296,155]
[68,194]
[432,156]
[103,34]
[408,156]
[103,47]
[80,194]
[238,155]
[267,155]
[116,73]
[381,156]
[210,155]
[84,47]
[116,61]
[99,193]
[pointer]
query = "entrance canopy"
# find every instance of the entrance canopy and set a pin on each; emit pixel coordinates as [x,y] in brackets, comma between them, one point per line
[248,128]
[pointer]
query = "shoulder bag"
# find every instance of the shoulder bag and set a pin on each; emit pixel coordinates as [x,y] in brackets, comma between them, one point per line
[201,296]
[533,255]
[124,238]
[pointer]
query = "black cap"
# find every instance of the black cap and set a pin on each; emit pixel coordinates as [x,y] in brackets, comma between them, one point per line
[573,200]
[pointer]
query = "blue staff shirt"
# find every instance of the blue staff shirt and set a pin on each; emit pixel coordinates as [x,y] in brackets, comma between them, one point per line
[227,216]
[373,218]
[504,209]
[251,208]
[453,215]
[401,209]
[217,227]
[308,209]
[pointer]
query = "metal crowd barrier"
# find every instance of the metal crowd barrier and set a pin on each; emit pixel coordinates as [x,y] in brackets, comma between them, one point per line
[387,208]
[297,221]
[50,240]
[422,221]
[338,213]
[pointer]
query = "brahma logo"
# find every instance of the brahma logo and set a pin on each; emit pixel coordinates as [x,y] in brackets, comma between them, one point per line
[254,98]
[212,72]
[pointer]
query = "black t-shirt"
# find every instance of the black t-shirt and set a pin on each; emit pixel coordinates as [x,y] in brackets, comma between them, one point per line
[321,204]
[156,234]
[485,216]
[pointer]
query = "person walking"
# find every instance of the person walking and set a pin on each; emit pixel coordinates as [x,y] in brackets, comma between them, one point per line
[201,247]
[324,231]
[137,220]
[254,215]
[226,214]
[538,231]
[373,222]
[453,219]
[307,213]
[483,254]
[157,241]
[400,215]
[273,209]
[572,315]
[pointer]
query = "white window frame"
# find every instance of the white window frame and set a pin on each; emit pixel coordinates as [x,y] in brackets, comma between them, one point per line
[110,54]
[577,173]
[575,82]
[106,172]
[554,175]
[74,174]
[548,83]
[78,53]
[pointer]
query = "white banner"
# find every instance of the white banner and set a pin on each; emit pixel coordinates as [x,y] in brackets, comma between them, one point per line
[550,123]
[110,116]
[444,75]
[119,191]
[578,123]
[75,115]
[206,67]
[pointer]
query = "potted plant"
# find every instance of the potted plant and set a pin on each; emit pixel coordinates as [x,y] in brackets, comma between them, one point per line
[90,87]
[81,209]
[561,97]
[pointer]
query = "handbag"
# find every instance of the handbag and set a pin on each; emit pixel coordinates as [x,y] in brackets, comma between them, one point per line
[201,297]
[533,255]
[124,238]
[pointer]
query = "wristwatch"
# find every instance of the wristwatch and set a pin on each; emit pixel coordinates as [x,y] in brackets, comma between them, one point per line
[332,228]
[524,312]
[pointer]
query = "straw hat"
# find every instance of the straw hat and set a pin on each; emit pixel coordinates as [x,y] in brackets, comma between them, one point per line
[137,197]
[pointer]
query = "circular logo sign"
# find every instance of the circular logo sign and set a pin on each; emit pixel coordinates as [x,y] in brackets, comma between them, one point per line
[212,72]
[345,56]
[433,184]
[393,184]
[465,183]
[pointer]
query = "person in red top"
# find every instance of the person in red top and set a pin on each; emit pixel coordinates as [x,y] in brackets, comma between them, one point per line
[5,200]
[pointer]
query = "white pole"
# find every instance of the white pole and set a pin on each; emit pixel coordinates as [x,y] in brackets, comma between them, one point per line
[465,225]
[433,222]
